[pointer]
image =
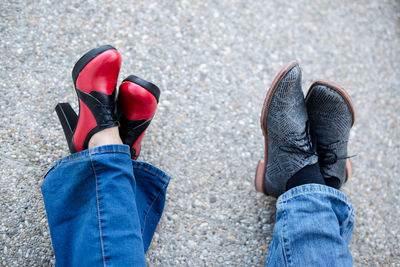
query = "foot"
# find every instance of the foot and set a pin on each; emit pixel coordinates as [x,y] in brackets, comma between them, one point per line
[284,122]
[331,113]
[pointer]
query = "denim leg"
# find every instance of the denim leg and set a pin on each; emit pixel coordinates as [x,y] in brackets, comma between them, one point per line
[90,200]
[313,227]
[151,189]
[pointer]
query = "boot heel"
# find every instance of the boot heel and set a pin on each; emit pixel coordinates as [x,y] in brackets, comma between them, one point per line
[68,119]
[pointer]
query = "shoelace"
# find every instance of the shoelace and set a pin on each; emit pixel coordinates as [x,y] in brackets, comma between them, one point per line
[108,114]
[291,148]
[322,151]
[299,149]
[328,156]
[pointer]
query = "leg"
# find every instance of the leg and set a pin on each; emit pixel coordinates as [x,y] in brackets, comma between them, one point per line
[151,190]
[314,221]
[313,227]
[95,212]
[90,200]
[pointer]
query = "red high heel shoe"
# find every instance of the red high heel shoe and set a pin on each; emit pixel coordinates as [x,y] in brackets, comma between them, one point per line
[137,100]
[95,78]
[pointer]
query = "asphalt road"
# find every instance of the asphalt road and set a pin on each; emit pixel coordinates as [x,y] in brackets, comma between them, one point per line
[213,61]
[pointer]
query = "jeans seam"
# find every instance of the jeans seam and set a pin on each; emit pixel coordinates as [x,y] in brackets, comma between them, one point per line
[284,245]
[91,153]
[51,168]
[350,219]
[313,192]
[109,150]
[151,205]
[98,212]
[151,172]
[59,162]
[349,206]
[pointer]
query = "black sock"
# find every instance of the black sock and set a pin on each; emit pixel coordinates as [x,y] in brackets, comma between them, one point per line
[310,174]
[333,182]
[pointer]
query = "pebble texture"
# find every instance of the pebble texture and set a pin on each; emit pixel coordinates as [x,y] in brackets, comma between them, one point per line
[213,61]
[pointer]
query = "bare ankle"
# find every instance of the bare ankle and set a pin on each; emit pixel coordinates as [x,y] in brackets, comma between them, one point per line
[109,136]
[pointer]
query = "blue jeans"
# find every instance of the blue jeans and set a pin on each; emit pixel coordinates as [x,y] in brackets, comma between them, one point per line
[313,227]
[102,207]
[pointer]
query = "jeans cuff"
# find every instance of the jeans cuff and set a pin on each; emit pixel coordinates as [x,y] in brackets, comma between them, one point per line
[313,189]
[94,150]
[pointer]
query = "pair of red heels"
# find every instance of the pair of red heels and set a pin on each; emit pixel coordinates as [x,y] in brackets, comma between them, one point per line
[95,77]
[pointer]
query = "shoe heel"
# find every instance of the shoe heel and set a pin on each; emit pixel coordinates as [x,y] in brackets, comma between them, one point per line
[259,177]
[349,169]
[68,119]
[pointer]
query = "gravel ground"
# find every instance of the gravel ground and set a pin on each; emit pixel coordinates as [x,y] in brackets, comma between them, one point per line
[213,61]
